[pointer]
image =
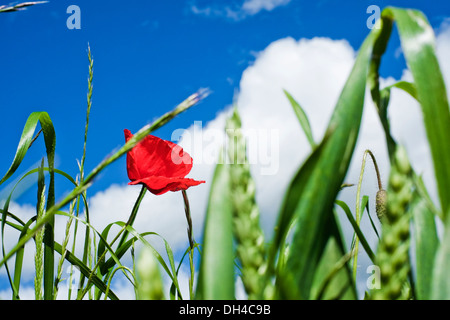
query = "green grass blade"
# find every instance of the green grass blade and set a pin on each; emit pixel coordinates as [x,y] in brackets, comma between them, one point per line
[440,284]
[85,271]
[332,280]
[314,205]
[19,259]
[133,214]
[426,245]
[302,118]
[357,230]
[70,257]
[39,236]
[406,86]
[24,143]
[216,275]
[286,216]
[418,44]
[108,265]
[4,215]
[49,234]
[19,6]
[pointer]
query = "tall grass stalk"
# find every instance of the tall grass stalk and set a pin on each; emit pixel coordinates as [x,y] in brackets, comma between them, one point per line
[39,255]
[64,253]
[87,240]
[192,244]
[358,209]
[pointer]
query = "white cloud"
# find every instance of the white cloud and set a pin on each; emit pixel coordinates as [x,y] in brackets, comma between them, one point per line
[235,11]
[255,6]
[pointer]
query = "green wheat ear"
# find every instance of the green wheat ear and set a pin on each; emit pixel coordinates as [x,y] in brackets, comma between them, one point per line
[392,256]
[246,227]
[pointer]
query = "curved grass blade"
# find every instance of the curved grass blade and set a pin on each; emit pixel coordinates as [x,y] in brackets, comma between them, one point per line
[71,258]
[406,86]
[286,216]
[27,138]
[84,270]
[302,118]
[313,206]
[106,266]
[19,258]
[356,228]
[440,285]
[19,6]
[92,274]
[426,246]
[331,282]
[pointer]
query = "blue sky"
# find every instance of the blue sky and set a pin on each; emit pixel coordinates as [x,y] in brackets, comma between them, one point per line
[148,57]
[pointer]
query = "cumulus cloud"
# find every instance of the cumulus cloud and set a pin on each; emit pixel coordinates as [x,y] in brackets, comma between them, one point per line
[236,11]
[255,6]
[314,71]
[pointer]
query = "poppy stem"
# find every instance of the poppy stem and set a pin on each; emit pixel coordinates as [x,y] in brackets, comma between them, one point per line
[189,219]
[187,210]
[358,197]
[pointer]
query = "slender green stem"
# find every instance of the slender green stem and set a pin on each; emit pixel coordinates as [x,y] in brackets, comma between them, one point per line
[358,204]
[191,242]
[87,236]
[39,249]
[64,251]
[133,215]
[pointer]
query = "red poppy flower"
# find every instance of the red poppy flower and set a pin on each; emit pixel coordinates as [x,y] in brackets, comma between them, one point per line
[160,165]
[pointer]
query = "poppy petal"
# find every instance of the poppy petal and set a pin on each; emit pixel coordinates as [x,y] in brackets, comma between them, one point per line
[159,185]
[132,168]
[153,156]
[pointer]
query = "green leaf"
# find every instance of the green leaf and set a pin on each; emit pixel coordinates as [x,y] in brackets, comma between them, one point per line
[286,216]
[302,118]
[27,138]
[216,275]
[440,286]
[357,230]
[406,86]
[417,39]
[84,270]
[426,244]
[314,203]
[418,44]
[332,279]
[70,257]
[23,146]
